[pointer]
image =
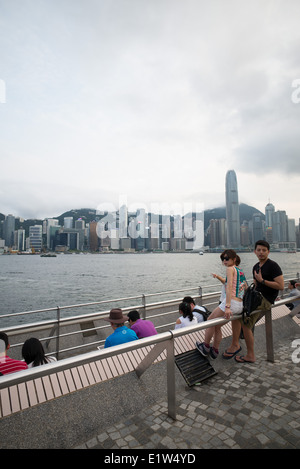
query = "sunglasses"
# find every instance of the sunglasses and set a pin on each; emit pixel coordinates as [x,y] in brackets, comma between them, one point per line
[225,258]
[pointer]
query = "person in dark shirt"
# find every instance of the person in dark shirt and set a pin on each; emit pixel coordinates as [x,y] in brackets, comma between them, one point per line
[268,279]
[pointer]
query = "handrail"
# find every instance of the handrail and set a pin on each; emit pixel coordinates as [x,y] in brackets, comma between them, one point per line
[98,315]
[94,303]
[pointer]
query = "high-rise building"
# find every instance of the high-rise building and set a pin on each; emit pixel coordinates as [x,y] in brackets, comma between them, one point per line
[269,212]
[257,227]
[217,231]
[80,224]
[68,222]
[123,222]
[8,230]
[35,237]
[291,230]
[232,211]
[280,226]
[93,237]
[245,238]
[51,222]
[20,240]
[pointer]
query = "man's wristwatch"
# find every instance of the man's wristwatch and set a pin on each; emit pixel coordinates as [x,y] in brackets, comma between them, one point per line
[263,282]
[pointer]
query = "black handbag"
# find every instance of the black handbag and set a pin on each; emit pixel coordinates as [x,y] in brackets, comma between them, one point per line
[251,301]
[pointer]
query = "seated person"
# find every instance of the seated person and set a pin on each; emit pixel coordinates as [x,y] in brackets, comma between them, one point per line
[197,310]
[292,286]
[8,365]
[187,318]
[142,327]
[33,353]
[122,333]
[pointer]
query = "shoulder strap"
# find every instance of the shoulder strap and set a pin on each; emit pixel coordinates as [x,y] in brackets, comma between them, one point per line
[237,288]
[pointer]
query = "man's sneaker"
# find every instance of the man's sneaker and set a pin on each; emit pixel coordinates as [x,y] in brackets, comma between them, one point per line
[213,353]
[202,348]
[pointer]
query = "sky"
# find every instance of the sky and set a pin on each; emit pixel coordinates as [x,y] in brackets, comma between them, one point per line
[148,101]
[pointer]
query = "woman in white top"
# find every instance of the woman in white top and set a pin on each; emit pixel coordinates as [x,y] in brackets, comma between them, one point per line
[187,318]
[33,353]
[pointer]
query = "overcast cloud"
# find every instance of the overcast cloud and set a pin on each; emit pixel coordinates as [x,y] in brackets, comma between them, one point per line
[152,99]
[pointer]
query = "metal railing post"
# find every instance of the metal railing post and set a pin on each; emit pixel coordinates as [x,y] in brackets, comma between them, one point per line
[171,385]
[200,295]
[58,332]
[144,306]
[269,336]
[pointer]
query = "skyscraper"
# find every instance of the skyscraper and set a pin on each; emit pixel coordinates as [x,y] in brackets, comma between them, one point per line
[8,230]
[232,211]
[269,212]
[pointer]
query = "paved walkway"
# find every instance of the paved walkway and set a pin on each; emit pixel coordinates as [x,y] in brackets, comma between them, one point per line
[243,406]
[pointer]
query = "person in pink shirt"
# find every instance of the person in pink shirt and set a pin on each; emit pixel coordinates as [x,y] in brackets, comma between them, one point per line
[8,365]
[142,327]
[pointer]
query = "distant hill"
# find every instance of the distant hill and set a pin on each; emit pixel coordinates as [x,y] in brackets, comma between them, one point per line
[88,215]
[246,213]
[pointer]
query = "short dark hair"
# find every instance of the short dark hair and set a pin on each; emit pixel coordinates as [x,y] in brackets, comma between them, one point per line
[4,337]
[189,300]
[133,315]
[262,242]
[293,282]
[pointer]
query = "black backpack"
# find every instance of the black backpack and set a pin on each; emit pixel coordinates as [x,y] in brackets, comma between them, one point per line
[251,300]
[205,312]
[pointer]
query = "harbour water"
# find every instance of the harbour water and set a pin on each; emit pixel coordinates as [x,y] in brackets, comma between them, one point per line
[33,282]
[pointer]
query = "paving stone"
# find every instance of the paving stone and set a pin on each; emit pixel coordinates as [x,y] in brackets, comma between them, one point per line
[243,407]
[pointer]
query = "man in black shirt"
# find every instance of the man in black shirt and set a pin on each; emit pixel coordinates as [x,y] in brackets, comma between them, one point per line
[266,273]
[269,280]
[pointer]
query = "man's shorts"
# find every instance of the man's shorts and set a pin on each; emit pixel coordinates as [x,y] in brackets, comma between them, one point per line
[252,320]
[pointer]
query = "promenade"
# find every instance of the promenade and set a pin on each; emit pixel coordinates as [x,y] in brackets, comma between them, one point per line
[244,406]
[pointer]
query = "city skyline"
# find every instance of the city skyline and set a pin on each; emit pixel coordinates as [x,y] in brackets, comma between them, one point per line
[156,100]
[121,230]
[162,212]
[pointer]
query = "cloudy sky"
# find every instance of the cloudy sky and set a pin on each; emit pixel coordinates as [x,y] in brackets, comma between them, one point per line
[149,100]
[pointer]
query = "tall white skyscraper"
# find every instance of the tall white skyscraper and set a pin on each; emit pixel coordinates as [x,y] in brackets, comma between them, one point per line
[232,211]
[269,212]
